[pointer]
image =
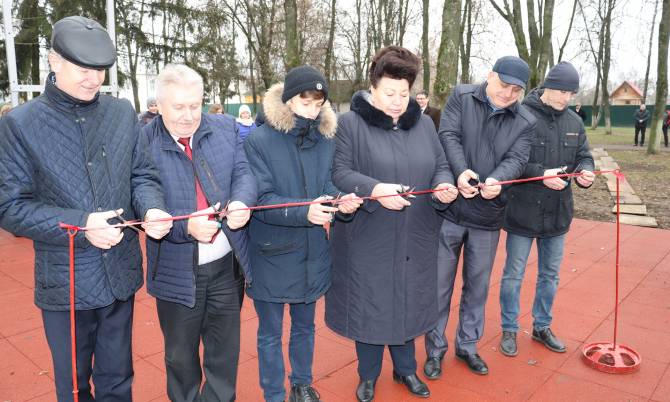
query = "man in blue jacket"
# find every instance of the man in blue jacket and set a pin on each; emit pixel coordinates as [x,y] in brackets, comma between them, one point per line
[486,136]
[73,155]
[194,272]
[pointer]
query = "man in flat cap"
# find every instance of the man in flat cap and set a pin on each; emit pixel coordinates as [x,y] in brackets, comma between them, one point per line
[542,210]
[75,156]
[486,135]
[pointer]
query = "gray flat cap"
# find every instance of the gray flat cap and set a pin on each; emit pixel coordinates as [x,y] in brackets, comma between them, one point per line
[83,42]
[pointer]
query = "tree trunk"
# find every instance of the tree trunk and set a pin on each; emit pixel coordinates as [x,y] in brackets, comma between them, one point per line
[567,35]
[607,38]
[661,80]
[651,37]
[425,51]
[291,34]
[331,41]
[466,42]
[447,58]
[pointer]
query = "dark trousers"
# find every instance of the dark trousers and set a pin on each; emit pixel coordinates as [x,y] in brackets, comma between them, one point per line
[479,250]
[104,334]
[215,319]
[638,130]
[370,359]
[300,347]
[665,134]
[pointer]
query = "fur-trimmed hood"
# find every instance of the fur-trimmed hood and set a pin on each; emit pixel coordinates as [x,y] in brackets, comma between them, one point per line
[361,105]
[278,115]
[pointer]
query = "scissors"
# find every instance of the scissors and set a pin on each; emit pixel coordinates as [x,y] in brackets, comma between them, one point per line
[130,225]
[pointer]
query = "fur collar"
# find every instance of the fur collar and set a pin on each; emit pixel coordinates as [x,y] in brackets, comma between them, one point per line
[361,105]
[279,116]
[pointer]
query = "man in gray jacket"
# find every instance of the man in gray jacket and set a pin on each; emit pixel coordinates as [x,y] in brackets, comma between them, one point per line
[486,134]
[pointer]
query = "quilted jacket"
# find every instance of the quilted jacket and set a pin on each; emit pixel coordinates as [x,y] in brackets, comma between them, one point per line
[221,165]
[61,159]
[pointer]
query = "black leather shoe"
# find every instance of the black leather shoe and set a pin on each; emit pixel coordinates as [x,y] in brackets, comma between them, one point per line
[474,362]
[548,339]
[303,393]
[508,344]
[433,367]
[365,392]
[413,384]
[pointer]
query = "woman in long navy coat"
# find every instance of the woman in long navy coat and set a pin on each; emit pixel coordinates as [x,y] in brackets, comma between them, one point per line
[385,259]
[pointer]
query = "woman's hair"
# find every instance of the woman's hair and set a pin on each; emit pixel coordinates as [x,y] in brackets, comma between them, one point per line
[394,62]
[216,108]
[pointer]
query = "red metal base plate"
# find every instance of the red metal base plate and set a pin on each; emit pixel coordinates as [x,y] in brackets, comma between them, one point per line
[610,359]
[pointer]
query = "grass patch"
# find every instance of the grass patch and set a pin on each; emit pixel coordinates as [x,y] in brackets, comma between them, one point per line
[649,175]
[619,136]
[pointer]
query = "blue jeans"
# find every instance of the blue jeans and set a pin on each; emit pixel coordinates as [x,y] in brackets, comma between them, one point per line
[549,256]
[300,347]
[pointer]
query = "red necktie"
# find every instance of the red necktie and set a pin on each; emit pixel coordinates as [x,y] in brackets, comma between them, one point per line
[200,199]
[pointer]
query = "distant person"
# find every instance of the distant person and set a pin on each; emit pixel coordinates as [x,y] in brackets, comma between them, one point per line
[5,109]
[432,112]
[244,121]
[151,113]
[580,112]
[641,119]
[666,123]
[216,109]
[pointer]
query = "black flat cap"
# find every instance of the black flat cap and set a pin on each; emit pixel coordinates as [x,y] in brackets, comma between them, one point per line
[512,70]
[83,42]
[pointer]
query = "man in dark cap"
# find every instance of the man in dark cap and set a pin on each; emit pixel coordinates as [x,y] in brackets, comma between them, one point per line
[542,210]
[486,136]
[73,155]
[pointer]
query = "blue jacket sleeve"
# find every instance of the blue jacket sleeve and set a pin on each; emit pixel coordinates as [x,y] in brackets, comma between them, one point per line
[147,192]
[265,186]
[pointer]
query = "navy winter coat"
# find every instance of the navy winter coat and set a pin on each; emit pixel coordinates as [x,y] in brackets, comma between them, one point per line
[221,165]
[60,160]
[291,158]
[490,143]
[535,210]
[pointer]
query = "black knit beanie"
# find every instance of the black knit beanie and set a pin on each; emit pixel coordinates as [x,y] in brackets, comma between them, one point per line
[303,78]
[563,77]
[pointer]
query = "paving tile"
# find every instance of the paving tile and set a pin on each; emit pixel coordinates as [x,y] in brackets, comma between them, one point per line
[149,382]
[662,392]
[652,317]
[330,356]
[10,285]
[248,388]
[48,397]
[157,360]
[566,388]
[651,295]
[147,335]
[33,344]
[19,313]
[20,379]
[643,382]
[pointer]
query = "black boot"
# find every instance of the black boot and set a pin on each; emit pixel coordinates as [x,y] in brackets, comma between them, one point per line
[548,339]
[303,393]
[365,392]
[413,384]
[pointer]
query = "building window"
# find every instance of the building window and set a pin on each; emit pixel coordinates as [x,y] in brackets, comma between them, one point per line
[627,102]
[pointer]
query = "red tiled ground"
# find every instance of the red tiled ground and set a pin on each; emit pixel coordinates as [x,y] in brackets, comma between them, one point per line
[583,312]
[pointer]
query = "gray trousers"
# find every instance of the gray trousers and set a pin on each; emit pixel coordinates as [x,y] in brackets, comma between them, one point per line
[479,251]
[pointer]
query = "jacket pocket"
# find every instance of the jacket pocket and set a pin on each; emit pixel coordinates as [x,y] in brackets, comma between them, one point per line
[271,249]
[569,144]
[538,151]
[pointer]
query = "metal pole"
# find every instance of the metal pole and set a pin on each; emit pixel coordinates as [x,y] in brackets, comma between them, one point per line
[111,30]
[11,55]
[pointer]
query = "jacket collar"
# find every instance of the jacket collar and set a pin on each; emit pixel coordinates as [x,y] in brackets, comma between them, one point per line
[532,100]
[361,105]
[480,95]
[279,116]
[64,101]
[168,143]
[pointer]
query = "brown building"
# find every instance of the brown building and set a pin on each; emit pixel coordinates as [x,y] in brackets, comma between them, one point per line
[626,94]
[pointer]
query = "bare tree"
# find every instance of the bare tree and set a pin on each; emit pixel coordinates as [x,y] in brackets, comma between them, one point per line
[465,45]
[331,42]
[539,33]
[662,78]
[447,57]
[292,58]
[651,37]
[425,51]
[567,34]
